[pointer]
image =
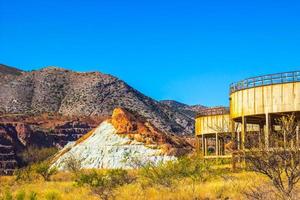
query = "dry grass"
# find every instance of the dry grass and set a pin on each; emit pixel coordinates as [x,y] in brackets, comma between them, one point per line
[231,186]
[227,186]
[62,190]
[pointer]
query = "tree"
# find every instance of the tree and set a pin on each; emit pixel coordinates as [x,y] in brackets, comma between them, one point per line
[45,170]
[280,164]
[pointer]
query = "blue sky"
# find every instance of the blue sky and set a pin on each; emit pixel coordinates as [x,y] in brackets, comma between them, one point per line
[188,51]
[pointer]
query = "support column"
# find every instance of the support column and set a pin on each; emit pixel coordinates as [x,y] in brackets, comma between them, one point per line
[221,146]
[297,136]
[238,141]
[243,133]
[205,146]
[267,130]
[232,130]
[202,144]
[260,133]
[217,145]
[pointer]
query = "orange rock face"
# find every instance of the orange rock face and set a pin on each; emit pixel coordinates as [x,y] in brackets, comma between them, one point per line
[138,129]
[123,121]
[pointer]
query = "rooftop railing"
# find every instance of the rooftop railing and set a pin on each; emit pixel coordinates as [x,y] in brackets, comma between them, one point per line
[286,77]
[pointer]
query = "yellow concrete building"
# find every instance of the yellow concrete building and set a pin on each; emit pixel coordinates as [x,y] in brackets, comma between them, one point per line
[255,103]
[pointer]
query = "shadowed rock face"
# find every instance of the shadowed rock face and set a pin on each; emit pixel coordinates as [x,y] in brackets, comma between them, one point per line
[37,131]
[123,135]
[56,90]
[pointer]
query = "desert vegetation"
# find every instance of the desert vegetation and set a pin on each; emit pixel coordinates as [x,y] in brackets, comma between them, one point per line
[268,173]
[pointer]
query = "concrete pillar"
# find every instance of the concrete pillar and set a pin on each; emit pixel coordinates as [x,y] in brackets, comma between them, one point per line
[202,144]
[221,146]
[297,136]
[217,145]
[243,132]
[260,133]
[205,146]
[238,141]
[232,130]
[267,130]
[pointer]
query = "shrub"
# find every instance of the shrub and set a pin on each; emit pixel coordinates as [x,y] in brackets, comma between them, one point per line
[8,195]
[44,169]
[103,182]
[20,195]
[72,164]
[52,196]
[24,174]
[166,173]
[34,154]
[32,196]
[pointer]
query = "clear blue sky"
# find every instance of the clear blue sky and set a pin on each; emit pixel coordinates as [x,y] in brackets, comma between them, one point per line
[185,50]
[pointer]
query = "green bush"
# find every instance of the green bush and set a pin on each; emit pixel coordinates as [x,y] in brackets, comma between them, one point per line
[166,173]
[24,174]
[44,170]
[8,195]
[103,182]
[32,196]
[20,195]
[34,154]
[52,196]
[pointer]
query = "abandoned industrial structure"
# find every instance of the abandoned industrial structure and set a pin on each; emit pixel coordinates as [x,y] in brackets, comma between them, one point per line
[255,104]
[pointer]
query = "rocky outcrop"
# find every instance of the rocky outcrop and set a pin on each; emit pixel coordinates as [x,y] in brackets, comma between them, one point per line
[16,136]
[69,93]
[116,142]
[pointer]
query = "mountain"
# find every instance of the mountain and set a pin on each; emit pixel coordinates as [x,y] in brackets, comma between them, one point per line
[189,111]
[122,141]
[54,106]
[70,93]
[6,70]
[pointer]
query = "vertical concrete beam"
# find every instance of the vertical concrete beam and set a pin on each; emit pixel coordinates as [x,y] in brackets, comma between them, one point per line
[260,133]
[243,132]
[203,144]
[238,140]
[221,146]
[217,145]
[232,130]
[267,130]
[297,136]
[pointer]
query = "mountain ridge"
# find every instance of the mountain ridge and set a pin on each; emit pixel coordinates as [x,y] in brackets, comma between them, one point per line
[58,90]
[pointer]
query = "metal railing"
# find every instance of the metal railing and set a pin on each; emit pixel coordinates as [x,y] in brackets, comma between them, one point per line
[286,77]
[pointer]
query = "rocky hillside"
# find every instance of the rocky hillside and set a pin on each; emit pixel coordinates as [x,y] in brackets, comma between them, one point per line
[122,141]
[69,93]
[19,132]
[189,111]
[6,70]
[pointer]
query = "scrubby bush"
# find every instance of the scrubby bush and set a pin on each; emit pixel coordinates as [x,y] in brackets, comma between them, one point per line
[103,182]
[72,164]
[8,195]
[52,196]
[165,174]
[24,174]
[20,195]
[32,196]
[33,172]
[33,154]
[45,170]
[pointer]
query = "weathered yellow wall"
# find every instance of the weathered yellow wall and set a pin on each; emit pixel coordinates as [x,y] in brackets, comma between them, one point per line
[212,124]
[265,99]
[219,124]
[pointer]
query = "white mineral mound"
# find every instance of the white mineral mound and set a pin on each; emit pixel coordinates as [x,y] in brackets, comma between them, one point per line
[104,148]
